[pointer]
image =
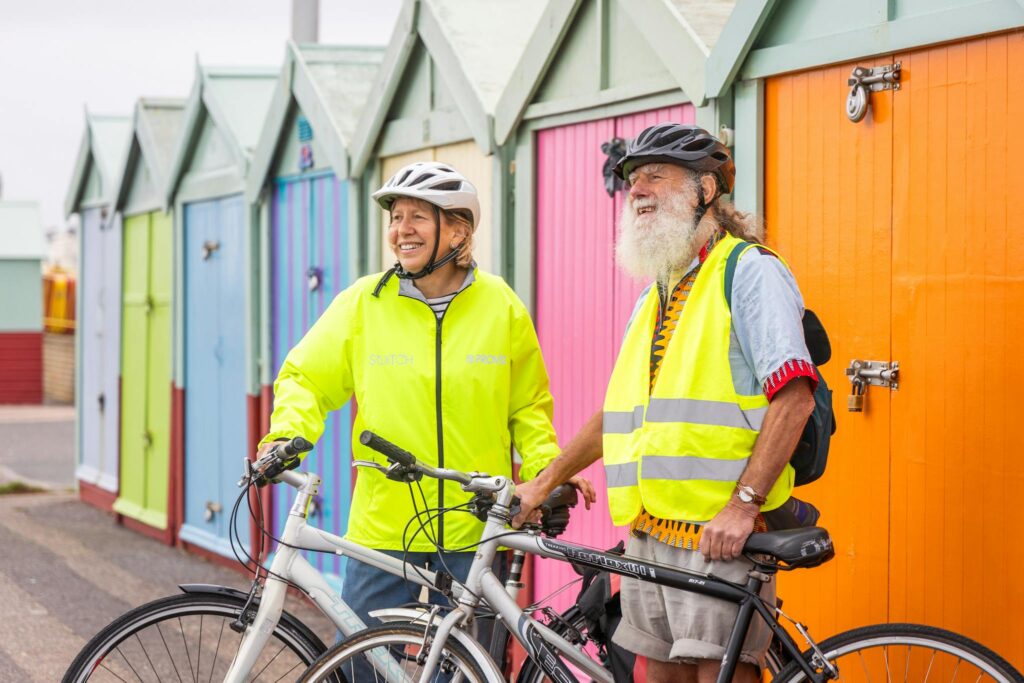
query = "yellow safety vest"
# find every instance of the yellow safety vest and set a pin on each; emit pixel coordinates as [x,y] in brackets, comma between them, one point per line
[679,450]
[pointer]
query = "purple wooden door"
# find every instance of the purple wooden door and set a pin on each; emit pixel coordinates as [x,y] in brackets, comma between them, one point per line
[583,298]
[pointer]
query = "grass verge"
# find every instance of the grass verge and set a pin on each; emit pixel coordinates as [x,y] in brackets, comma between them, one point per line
[14,487]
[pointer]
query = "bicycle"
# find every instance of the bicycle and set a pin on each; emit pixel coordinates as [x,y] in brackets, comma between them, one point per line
[220,633]
[435,644]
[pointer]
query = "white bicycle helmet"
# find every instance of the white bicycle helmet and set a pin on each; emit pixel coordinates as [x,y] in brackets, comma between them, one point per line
[433,182]
[437,184]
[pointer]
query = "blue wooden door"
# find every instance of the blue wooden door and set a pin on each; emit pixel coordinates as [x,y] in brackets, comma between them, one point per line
[215,388]
[309,241]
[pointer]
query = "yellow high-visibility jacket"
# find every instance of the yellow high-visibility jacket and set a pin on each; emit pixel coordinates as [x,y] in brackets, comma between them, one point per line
[678,451]
[457,392]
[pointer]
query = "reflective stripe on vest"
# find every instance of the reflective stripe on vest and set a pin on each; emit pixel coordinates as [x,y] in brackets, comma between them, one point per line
[678,450]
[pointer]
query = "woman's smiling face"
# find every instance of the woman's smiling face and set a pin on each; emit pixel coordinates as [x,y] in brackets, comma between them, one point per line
[413,230]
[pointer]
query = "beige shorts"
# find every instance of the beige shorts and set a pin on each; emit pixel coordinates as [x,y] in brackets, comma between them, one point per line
[672,625]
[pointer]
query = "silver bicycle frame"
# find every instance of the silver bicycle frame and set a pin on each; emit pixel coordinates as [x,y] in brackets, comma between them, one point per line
[541,642]
[290,565]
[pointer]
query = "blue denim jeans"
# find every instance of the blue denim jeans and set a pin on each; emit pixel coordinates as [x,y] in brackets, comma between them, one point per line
[367,588]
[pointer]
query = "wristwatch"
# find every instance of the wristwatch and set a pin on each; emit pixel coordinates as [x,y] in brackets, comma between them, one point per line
[747,494]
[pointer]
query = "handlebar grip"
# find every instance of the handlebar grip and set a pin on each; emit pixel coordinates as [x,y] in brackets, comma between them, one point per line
[296,446]
[387,449]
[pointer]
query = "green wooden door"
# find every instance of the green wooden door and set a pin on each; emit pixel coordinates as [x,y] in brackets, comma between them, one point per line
[146,369]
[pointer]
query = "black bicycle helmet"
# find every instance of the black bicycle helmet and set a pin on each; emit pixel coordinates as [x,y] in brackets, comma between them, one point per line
[684,145]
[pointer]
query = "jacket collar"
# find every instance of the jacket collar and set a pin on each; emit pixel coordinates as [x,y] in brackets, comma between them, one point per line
[408,289]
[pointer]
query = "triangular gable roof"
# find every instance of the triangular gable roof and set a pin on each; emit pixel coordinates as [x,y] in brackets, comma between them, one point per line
[103,144]
[330,84]
[682,33]
[738,36]
[21,231]
[477,47]
[155,129]
[236,99]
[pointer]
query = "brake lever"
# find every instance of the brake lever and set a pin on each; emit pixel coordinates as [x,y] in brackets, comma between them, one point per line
[396,472]
[252,469]
[371,464]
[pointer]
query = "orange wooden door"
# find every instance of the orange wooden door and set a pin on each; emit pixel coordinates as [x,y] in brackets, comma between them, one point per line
[958,299]
[828,211]
[905,235]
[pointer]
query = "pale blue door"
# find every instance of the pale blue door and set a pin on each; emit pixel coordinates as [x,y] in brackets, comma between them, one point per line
[215,378]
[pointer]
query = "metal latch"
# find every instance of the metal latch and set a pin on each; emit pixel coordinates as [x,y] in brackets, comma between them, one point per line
[314,278]
[865,80]
[865,373]
[210,246]
[211,509]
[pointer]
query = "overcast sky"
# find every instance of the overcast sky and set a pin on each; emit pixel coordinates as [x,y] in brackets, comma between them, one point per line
[59,56]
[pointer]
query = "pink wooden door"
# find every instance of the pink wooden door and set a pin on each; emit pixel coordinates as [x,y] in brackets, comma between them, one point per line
[583,298]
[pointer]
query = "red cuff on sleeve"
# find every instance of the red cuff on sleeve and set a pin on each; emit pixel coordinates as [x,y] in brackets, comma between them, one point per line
[789,371]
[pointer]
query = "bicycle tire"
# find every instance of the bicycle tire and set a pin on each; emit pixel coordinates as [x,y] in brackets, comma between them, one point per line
[570,620]
[916,650]
[144,642]
[405,640]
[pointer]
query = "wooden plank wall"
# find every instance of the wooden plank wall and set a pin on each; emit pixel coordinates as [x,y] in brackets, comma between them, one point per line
[902,232]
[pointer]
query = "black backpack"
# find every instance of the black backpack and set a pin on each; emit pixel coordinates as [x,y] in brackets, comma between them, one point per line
[811,454]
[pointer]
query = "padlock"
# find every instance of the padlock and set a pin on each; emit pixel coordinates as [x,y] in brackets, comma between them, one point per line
[855,403]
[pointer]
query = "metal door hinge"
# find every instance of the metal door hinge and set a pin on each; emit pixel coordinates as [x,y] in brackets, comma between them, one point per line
[865,80]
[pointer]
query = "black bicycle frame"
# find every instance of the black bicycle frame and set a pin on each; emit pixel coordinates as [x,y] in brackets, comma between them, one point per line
[746,597]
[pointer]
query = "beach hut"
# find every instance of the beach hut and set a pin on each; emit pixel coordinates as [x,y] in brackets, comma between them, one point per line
[594,74]
[146,285]
[21,317]
[214,409]
[98,302]
[883,150]
[300,178]
[445,68]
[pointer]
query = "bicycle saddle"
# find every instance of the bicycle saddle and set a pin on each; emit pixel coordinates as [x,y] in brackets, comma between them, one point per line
[796,548]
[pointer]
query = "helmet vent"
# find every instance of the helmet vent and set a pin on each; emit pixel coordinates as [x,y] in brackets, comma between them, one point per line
[451,186]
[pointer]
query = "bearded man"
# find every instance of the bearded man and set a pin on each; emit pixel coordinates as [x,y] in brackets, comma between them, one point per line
[704,407]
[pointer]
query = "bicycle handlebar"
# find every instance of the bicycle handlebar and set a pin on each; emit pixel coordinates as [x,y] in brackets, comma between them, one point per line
[407,461]
[387,449]
[279,459]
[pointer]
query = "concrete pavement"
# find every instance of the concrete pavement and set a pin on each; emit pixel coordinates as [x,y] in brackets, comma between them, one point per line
[67,569]
[37,446]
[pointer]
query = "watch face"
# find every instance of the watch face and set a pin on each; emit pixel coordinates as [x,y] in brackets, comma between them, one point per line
[746,497]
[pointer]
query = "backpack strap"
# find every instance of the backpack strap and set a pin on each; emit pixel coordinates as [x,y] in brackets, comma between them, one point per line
[733,259]
[730,268]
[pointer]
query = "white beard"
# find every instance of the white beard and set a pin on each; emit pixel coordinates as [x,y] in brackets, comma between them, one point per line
[653,245]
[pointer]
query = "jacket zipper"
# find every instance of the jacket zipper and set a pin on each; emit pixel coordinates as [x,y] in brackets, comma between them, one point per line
[440,424]
[437,401]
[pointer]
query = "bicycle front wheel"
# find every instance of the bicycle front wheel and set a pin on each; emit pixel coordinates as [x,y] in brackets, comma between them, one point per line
[188,638]
[405,647]
[907,652]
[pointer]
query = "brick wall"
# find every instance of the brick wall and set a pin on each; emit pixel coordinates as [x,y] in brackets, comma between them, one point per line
[58,367]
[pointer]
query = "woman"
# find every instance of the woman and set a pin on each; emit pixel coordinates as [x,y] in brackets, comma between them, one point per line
[443,361]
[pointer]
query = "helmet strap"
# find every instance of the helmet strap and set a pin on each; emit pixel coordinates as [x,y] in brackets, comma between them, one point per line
[702,206]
